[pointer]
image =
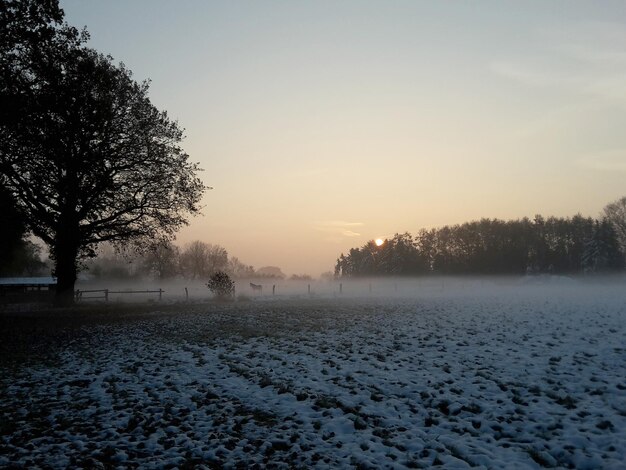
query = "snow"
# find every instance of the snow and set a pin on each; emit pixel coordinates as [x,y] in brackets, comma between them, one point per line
[497,378]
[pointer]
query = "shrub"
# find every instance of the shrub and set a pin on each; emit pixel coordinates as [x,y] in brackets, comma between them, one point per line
[222,286]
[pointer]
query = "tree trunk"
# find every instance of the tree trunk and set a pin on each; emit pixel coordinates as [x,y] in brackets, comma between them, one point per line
[66,254]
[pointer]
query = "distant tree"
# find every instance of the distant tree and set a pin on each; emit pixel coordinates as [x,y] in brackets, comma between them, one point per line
[398,256]
[222,286]
[402,257]
[602,253]
[84,152]
[201,260]
[426,244]
[490,246]
[239,270]
[217,259]
[270,272]
[615,212]
[114,263]
[193,259]
[358,262]
[538,246]
[581,229]
[161,259]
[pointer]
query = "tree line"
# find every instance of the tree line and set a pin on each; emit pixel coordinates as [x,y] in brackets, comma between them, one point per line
[559,245]
[164,260]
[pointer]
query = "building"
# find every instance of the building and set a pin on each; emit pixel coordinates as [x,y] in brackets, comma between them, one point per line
[26,289]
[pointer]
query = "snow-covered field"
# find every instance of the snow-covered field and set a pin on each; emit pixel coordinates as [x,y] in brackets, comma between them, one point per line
[499,378]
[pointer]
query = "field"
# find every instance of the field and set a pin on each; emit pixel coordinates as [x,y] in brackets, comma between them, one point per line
[486,377]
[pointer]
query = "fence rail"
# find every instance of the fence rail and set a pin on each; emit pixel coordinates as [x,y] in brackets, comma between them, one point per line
[105,293]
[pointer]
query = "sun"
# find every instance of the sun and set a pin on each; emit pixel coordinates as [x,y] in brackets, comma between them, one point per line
[379,241]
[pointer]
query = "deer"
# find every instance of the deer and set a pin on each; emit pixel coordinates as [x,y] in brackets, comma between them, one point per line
[256,288]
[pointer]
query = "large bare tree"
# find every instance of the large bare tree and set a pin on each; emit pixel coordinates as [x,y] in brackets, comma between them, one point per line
[86,155]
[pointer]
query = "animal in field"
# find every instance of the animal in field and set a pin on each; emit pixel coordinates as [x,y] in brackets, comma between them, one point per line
[256,288]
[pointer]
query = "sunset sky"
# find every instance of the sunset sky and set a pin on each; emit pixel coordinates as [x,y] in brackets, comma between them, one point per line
[325,124]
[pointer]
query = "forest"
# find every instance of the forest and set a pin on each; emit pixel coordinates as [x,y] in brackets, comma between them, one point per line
[555,245]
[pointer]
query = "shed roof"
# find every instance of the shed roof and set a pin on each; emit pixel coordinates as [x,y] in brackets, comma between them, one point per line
[28,281]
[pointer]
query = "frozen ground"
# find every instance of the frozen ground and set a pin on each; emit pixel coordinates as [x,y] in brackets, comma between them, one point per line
[510,378]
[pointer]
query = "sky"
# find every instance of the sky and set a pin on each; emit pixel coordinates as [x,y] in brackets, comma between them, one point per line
[324,124]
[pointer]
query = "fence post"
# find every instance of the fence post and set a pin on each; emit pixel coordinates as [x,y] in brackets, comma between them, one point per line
[106,295]
[186,295]
[160,294]
[309,289]
[340,288]
[274,289]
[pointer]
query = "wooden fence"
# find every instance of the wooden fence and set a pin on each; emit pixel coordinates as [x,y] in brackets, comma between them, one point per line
[104,293]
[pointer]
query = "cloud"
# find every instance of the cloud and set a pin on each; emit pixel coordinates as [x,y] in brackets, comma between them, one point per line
[610,88]
[591,55]
[527,74]
[612,160]
[339,228]
[587,40]
[557,119]
[339,223]
[584,58]
[306,173]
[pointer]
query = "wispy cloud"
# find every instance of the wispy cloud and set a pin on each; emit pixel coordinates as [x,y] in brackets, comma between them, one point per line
[339,223]
[612,160]
[586,58]
[557,119]
[591,55]
[582,67]
[529,74]
[306,173]
[339,227]
[350,233]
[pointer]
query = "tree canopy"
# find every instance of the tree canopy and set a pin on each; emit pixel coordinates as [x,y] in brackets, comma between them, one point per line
[492,246]
[84,152]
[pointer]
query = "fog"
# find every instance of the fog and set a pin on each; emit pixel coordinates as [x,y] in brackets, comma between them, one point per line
[434,371]
[178,290]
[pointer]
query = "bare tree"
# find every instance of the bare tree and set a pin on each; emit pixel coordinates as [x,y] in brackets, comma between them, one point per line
[201,260]
[217,259]
[239,270]
[84,152]
[615,212]
[193,259]
[162,259]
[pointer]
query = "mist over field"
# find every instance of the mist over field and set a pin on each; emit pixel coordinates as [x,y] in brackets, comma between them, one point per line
[488,373]
[312,235]
[368,288]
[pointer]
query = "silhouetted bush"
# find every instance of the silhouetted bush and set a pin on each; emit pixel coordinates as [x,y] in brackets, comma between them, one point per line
[222,286]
